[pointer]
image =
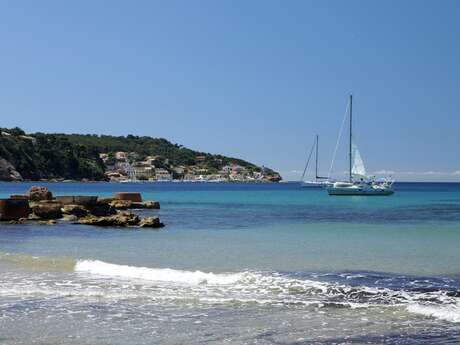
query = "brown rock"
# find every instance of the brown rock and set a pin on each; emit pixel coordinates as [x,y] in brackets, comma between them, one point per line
[65,199]
[18,221]
[82,200]
[47,222]
[70,218]
[38,193]
[121,204]
[48,210]
[152,205]
[125,204]
[11,209]
[33,217]
[104,201]
[76,210]
[8,172]
[121,219]
[134,197]
[102,210]
[151,222]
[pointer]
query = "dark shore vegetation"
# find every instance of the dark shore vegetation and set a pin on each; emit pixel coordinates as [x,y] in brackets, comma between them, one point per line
[47,156]
[76,156]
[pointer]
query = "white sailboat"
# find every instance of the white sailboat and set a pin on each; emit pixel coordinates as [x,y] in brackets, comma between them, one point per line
[359,183]
[319,181]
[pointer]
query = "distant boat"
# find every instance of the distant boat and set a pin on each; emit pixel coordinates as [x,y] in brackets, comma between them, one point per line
[359,183]
[319,181]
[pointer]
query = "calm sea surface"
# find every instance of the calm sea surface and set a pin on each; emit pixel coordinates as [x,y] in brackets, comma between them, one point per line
[239,264]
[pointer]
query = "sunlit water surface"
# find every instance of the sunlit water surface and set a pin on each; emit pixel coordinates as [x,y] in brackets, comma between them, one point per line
[239,264]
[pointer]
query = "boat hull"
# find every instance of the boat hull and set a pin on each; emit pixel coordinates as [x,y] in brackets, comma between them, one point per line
[312,185]
[359,191]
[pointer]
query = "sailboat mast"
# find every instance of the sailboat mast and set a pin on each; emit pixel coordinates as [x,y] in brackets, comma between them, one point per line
[351,129]
[316,169]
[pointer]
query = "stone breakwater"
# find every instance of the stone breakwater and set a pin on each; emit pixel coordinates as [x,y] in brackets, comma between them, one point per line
[39,205]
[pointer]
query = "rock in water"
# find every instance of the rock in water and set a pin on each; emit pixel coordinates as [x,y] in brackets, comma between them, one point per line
[70,218]
[11,209]
[134,197]
[151,222]
[38,193]
[120,219]
[104,201]
[82,200]
[146,205]
[102,210]
[75,210]
[48,209]
[19,221]
[121,204]
[47,222]
[8,172]
[152,205]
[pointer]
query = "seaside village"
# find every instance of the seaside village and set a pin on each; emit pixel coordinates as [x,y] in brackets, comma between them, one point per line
[126,167]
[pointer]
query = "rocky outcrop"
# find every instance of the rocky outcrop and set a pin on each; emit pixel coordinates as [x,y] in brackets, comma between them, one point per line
[127,204]
[11,209]
[18,221]
[151,222]
[102,210]
[134,197]
[47,222]
[39,205]
[74,210]
[101,201]
[82,200]
[121,204]
[47,209]
[120,219]
[8,172]
[151,205]
[38,193]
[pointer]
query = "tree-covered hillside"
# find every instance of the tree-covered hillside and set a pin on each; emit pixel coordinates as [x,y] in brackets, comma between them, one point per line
[76,156]
[45,156]
[148,146]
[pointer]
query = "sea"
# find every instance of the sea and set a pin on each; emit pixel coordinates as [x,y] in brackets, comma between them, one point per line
[239,264]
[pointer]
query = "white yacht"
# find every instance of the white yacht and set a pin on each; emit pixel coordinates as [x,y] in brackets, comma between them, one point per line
[359,183]
[319,181]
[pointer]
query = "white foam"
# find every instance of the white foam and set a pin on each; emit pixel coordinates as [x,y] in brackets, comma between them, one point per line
[102,268]
[269,288]
[449,313]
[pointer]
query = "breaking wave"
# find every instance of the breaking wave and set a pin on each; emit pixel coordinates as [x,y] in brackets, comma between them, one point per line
[449,313]
[94,278]
[102,268]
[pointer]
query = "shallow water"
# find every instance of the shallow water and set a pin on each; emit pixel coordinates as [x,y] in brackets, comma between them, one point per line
[240,264]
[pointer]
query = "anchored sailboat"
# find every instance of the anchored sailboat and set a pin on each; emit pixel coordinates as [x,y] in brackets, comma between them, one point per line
[359,183]
[319,181]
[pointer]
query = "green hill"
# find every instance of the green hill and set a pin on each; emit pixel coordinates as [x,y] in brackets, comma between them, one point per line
[77,156]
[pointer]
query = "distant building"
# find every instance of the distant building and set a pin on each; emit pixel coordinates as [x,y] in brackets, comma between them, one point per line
[190,177]
[226,169]
[162,175]
[141,169]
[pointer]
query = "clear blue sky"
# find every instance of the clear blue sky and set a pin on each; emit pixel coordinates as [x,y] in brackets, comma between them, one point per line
[252,79]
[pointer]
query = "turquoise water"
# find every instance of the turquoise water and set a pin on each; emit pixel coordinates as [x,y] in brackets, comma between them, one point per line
[242,264]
